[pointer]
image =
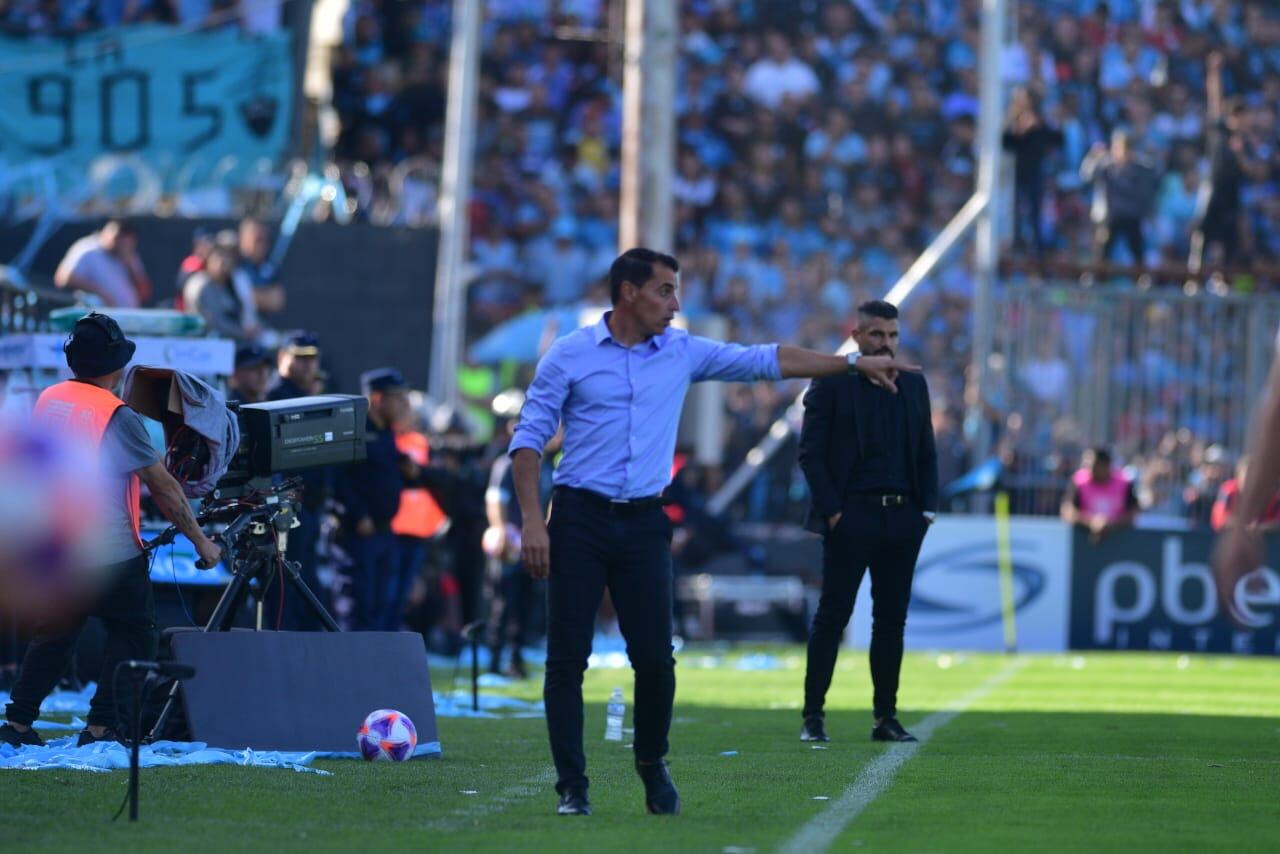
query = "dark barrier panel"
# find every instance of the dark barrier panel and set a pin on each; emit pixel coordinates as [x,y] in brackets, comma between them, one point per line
[302,690]
[366,290]
[1154,590]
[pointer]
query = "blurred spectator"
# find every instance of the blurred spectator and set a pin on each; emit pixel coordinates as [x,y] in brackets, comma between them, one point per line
[420,519]
[202,241]
[1229,495]
[1210,472]
[212,294]
[106,264]
[1124,193]
[255,243]
[779,74]
[1218,223]
[1100,498]
[1030,140]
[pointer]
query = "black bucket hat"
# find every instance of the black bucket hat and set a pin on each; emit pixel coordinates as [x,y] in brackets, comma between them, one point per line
[97,347]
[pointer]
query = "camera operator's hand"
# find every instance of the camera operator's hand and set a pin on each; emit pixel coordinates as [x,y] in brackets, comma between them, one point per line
[210,553]
[364,528]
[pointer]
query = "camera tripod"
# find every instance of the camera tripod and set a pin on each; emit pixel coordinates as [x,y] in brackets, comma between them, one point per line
[253,550]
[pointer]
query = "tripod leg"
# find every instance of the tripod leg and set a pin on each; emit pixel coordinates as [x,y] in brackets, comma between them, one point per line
[225,611]
[313,603]
[219,621]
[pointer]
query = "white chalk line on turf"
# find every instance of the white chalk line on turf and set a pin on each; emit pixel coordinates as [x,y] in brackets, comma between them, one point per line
[819,832]
[497,803]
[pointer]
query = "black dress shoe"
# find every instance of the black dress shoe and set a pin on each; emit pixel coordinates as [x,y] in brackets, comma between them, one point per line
[813,730]
[890,730]
[660,795]
[573,803]
[9,735]
[87,737]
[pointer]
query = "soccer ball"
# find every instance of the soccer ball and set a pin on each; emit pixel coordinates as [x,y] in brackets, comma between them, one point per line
[387,734]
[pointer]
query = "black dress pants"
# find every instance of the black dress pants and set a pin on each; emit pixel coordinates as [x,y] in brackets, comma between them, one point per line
[593,547]
[127,610]
[1127,230]
[887,541]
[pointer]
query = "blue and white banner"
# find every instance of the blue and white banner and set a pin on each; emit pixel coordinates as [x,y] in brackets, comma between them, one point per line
[215,102]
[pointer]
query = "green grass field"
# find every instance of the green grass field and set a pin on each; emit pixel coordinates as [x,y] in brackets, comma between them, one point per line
[1069,753]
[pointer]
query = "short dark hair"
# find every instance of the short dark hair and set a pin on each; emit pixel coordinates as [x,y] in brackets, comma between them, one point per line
[879,308]
[636,266]
[1101,455]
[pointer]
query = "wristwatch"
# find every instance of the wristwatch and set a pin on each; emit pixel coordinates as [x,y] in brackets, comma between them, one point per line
[852,358]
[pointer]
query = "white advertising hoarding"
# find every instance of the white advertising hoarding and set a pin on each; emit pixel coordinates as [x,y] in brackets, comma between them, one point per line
[955,599]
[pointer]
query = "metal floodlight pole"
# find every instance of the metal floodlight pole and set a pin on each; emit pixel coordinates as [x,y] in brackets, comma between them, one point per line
[646,213]
[455,199]
[979,213]
[781,430]
[986,245]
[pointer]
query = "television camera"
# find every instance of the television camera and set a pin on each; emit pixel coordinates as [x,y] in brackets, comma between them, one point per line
[257,499]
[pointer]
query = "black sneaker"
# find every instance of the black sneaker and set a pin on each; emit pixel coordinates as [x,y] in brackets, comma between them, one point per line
[890,730]
[573,803]
[660,795]
[813,730]
[10,735]
[87,737]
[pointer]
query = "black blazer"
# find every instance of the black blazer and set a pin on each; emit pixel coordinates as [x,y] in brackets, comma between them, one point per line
[831,442]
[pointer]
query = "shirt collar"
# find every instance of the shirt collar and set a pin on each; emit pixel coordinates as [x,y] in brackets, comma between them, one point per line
[602,334]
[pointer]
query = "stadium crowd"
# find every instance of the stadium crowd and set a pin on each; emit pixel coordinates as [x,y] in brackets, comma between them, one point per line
[821,147]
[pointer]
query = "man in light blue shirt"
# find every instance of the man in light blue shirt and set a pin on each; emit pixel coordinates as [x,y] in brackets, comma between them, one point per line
[618,388]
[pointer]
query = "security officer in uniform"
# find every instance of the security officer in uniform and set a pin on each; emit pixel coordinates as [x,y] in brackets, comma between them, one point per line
[299,370]
[87,409]
[370,493]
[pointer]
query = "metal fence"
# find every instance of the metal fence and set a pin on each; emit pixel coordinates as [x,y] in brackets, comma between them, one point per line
[1166,379]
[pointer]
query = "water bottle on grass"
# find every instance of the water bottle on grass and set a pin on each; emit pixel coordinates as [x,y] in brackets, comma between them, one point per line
[617,711]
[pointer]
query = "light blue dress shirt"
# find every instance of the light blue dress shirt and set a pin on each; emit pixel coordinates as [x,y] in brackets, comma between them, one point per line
[621,407]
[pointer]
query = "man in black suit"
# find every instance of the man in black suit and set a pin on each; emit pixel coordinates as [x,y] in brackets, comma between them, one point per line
[870,461]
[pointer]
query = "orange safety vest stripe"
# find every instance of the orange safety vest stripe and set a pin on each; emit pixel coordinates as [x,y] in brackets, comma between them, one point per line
[83,411]
[420,515]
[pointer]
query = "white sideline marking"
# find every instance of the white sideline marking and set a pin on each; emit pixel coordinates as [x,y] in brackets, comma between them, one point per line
[820,831]
[465,816]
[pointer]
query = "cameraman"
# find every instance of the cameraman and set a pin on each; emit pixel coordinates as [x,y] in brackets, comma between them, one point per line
[87,408]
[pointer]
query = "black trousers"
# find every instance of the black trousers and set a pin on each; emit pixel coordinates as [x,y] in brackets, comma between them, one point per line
[1122,229]
[510,612]
[887,541]
[1028,201]
[593,547]
[127,610]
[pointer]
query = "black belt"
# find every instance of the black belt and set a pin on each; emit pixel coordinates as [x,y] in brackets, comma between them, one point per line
[878,499]
[614,505]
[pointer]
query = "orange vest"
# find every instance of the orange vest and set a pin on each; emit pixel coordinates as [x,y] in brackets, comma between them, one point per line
[420,515]
[82,412]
